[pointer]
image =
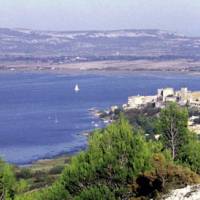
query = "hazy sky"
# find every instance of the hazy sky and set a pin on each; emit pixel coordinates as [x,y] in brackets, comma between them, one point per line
[182,16]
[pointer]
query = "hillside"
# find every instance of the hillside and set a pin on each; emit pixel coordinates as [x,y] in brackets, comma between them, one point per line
[23,47]
[121,162]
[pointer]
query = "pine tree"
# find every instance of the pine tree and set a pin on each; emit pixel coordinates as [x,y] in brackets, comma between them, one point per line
[173,128]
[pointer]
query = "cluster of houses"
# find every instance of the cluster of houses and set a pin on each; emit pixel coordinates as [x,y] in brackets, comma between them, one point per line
[182,97]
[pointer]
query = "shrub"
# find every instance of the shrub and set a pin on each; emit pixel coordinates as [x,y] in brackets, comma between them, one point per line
[164,176]
[24,173]
[7,181]
[22,186]
[96,193]
[56,170]
[55,192]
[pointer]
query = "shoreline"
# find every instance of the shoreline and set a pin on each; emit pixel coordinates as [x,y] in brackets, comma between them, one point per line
[96,113]
[74,152]
[49,158]
[100,72]
[68,155]
[108,66]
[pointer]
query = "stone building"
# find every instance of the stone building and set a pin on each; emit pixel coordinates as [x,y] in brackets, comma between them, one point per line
[165,95]
[139,101]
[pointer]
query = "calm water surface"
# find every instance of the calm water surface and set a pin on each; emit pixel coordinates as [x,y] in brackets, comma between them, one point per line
[41,115]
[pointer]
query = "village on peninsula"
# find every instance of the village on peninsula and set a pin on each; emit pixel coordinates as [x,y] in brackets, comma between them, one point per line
[164,96]
[183,97]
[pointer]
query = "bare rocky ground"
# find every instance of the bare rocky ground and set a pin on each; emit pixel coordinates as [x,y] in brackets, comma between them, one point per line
[187,193]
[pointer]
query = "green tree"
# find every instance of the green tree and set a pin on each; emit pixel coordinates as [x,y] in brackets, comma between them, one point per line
[190,155]
[115,156]
[172,126]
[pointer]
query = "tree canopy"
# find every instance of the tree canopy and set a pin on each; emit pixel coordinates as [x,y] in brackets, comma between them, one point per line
[173,129]
[120,163]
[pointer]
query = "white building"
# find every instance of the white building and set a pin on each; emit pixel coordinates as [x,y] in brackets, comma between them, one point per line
[165,95]
[166,92]
[139,101]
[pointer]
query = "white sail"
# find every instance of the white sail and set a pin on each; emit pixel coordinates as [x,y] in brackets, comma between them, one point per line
[76,88]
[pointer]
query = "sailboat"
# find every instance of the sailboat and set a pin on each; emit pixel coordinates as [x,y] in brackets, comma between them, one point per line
[76,89]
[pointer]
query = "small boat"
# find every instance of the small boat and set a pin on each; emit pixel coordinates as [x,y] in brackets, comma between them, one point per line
[76,89]
[96,125]
[56,119]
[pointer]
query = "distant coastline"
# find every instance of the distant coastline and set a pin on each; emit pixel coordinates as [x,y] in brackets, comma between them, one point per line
[114,50]
[181,65]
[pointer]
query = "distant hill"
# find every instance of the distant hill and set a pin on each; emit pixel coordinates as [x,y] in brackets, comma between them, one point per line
[29,46]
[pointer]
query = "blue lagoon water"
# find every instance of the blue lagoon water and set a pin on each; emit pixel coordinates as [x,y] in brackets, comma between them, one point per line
[41,115]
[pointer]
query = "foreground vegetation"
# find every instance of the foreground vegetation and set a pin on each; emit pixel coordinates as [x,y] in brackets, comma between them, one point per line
[121,162]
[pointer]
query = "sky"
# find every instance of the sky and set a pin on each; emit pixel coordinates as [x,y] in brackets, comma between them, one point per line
[181,16]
